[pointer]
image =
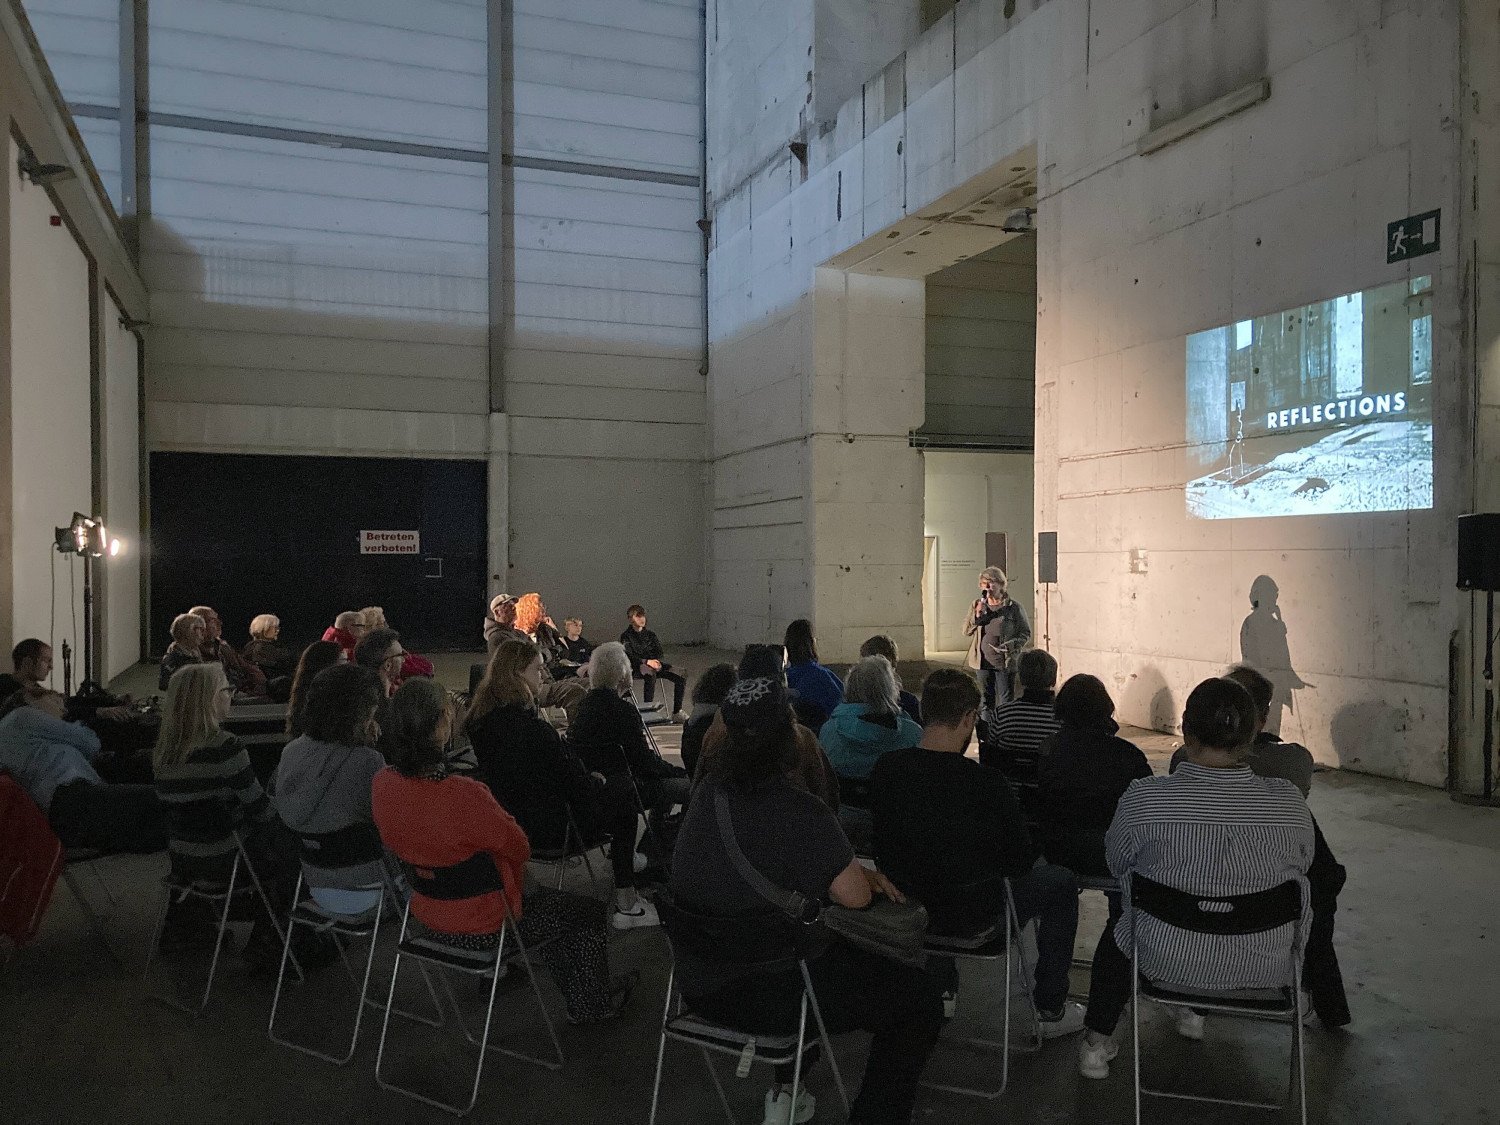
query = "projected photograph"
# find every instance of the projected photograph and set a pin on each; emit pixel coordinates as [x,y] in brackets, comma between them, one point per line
[1319,410]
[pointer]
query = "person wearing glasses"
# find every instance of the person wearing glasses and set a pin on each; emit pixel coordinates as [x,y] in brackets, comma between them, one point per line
[381,652]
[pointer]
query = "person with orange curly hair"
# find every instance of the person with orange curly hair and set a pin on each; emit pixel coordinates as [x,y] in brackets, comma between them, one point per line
[533,621]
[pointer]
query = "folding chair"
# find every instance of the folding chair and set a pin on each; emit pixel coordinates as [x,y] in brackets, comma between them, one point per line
[573,850]
[1232,915]
[762,942]
[474,876]
[222,895]
[77,857]
[994,944]
[346,847]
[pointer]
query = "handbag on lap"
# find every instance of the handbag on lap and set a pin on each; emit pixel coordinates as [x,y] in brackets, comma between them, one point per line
[885,927]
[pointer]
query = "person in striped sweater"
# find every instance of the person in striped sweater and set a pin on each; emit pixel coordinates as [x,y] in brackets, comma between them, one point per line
[204,779]
[1212,828]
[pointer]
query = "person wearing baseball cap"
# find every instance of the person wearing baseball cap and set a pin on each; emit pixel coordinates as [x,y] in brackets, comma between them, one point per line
[794,840]
[500,622]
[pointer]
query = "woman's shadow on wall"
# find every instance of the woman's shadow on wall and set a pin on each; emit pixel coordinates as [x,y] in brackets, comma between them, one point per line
[1263,646]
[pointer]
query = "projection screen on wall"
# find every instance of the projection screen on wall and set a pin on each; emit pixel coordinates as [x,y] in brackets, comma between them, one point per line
[1319,410]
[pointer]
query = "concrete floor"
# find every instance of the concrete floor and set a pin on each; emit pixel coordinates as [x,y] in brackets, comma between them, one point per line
[80,1040]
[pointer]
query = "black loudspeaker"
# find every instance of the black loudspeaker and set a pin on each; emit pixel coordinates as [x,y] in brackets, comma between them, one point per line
[1046,557]
[1479,551]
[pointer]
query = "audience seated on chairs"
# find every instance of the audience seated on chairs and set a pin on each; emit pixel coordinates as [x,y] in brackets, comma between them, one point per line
[648,661]
[55,762]
[346,631]
[1271,757]
[708,692]
[119,729]
[881,645]
[950,832]
[265,650]
[188,633]
[380,651]
[810,766]
[500,622]
[322,783]
[204,778]
[1211,828]
[411,663]
[866,725]
[315,657]
[575,652]
[1082,777]
[533,773]
[794,841]
[1012,740]
[811,681]
[431,819]
[611,739]
[31,660]
[243,676]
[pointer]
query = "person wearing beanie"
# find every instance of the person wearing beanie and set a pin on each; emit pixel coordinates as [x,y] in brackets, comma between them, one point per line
[793,839]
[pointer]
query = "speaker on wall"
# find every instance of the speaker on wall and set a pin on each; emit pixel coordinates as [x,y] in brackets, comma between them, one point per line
[1046,557]
[1479,551]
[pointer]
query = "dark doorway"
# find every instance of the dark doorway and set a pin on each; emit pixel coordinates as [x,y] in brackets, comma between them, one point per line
[261,534]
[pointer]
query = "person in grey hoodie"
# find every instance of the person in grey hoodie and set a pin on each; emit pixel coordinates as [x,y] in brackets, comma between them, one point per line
[322,783]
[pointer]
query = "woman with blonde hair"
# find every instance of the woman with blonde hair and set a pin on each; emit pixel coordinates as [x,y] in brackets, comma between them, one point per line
[271,657]
[203,777]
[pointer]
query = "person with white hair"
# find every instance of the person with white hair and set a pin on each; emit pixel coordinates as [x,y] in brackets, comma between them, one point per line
[347,630]
[611,739]
[188,634]
[1003,633]
[264,649]
[866,725]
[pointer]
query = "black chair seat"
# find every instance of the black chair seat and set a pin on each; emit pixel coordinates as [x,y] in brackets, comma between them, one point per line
[480,961]
[309,913]
[986,943]
[1262,1001]
[772,1049]
[1106,883]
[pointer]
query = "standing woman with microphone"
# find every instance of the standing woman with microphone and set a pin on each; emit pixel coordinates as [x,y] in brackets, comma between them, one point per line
[1003,633]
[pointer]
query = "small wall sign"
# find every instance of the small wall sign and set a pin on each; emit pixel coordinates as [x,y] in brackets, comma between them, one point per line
[390,542]
[1413,236]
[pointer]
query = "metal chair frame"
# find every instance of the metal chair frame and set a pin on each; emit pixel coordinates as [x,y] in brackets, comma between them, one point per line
[986,947]
[493,970]
[1229,1005]
[572,851]
[187,890]
[711,1037]
[73,858]
[366,925]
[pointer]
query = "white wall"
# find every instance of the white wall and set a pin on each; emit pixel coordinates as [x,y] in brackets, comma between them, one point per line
[1282,204]
[968,494]
[51,439]
[121,575]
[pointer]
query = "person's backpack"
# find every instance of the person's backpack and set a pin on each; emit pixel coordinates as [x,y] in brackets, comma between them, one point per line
[31,858]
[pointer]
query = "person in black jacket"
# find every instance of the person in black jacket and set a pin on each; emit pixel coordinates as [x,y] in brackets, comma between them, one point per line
[532,772]
[611,739]
[575,651]
[1084,770]
[949,832]
[708,693]
[648,661]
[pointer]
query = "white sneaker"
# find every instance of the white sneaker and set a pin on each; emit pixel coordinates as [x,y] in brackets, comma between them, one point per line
[680,717]
[1094,1058]
[779,1107]
[1065,1022]
[643,914]
[638,863]
[950,1005]
[1189,1023]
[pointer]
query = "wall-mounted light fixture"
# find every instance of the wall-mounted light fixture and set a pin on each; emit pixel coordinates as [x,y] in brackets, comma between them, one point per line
[43,174]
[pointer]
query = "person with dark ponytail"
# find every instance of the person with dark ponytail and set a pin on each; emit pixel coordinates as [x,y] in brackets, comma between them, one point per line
[1212,828]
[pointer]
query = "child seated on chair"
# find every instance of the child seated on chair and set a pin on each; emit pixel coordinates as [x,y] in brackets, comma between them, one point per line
[576,650]
[648,661]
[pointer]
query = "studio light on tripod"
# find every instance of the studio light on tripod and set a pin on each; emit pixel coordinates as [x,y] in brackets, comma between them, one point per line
[86,535]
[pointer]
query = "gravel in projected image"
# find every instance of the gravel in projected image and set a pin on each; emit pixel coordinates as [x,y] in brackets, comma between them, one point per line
[1315,411]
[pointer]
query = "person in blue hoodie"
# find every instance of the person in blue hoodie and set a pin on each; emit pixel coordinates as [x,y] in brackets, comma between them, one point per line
[813,683]
[866,725]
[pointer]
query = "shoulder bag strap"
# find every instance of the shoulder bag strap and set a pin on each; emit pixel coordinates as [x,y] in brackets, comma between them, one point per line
[792,903]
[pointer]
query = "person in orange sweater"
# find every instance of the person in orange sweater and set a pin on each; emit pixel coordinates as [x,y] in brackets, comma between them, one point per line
[431,819]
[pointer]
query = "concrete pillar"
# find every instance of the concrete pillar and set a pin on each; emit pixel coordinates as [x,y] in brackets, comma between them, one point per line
[865,487]
[499,502]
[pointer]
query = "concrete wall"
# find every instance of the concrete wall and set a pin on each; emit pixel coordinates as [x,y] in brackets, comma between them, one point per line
[51,438]
[981,347]
[1282,204]
[121,509]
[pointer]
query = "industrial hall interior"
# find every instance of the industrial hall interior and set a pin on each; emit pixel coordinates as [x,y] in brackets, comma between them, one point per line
[890,562]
